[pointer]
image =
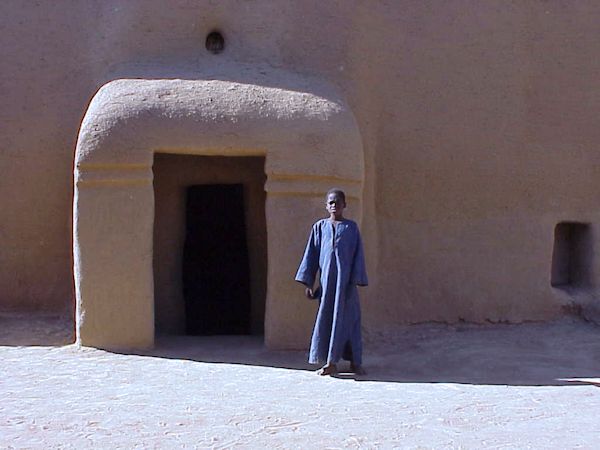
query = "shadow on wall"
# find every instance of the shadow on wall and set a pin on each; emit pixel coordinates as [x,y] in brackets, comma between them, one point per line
[531,354]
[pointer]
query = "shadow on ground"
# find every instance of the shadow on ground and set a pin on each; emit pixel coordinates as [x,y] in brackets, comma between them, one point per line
[19,329]
[530,354]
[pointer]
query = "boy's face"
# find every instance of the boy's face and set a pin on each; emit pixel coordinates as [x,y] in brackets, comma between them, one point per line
[335,205]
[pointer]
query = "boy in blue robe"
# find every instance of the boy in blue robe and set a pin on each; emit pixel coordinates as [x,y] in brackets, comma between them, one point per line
[335,249]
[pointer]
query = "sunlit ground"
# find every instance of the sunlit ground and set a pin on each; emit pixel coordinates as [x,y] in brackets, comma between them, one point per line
[428,386]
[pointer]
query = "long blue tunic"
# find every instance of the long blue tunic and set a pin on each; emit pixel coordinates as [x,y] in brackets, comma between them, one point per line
[338,253]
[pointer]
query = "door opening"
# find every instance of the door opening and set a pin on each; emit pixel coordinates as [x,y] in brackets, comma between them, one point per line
[216,279]
[210,242]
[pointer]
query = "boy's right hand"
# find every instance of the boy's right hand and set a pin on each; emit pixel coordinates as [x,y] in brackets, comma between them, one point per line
[313,294]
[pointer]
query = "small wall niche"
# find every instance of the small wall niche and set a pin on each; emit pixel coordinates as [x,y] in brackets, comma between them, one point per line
[215,43]
[572,256]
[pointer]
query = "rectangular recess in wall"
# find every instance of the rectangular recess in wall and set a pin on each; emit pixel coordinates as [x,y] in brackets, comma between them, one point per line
[572,255]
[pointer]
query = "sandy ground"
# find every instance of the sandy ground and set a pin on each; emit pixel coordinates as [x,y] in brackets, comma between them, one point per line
[428,386]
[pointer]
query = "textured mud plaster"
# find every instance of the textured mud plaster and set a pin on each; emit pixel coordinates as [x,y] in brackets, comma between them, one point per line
[310,142]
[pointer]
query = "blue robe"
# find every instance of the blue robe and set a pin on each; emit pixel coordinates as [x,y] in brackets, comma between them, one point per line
[338,254]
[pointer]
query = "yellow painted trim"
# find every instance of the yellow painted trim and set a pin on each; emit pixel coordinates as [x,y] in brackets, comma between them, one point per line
[304,194]
[114,182]
[293,177]
[112,166]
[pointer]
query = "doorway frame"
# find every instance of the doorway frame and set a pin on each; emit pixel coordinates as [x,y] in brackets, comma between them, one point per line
[310,142]
[173,175]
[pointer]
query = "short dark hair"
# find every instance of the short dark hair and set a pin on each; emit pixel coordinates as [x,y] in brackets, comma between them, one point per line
[338,192]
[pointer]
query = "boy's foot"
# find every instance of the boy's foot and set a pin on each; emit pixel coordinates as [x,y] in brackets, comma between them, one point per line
[357,369]
[327,369]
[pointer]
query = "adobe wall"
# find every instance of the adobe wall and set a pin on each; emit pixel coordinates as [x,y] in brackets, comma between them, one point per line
[478,122]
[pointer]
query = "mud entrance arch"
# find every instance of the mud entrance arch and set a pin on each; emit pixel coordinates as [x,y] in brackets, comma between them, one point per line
[309,141]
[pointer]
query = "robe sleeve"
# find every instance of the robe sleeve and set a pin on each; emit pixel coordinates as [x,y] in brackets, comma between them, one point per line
[358,275]
[309,265]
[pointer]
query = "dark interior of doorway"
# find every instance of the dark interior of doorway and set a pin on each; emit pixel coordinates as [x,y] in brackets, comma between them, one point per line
[215,269]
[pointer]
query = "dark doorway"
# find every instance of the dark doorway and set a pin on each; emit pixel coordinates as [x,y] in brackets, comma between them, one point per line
[216,279]
[173,175]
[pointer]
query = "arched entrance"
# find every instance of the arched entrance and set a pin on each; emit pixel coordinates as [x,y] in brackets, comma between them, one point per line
[310,142]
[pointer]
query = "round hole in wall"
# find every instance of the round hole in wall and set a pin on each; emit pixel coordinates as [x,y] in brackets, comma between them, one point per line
[215,42]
